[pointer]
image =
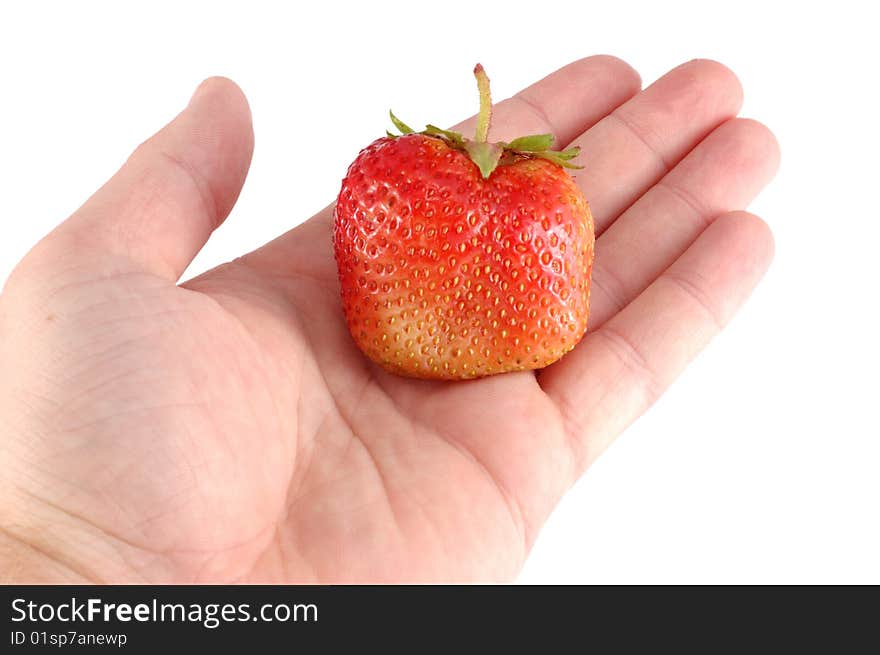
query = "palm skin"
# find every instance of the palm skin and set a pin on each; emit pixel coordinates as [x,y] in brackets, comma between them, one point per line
[228,429]
[257,443]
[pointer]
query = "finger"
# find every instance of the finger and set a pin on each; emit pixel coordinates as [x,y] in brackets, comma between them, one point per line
[159,209]
[564,103]
[724,172]
[619,370]
[638,143]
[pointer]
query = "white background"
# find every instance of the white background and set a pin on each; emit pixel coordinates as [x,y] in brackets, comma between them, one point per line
[761,464]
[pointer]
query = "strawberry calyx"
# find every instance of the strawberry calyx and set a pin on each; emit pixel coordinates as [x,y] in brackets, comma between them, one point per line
[485,154]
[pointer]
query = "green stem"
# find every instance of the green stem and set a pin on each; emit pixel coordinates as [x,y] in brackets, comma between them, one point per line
[487,156]
[485,116]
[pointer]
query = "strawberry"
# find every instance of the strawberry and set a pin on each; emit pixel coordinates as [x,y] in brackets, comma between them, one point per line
[461,258]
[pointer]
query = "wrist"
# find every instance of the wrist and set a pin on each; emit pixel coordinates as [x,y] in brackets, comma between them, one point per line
[23,563]
[40,543]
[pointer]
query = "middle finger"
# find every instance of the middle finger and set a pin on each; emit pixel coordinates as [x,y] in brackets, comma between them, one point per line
[630,149]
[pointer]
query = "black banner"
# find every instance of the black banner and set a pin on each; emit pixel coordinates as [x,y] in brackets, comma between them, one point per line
[416,618]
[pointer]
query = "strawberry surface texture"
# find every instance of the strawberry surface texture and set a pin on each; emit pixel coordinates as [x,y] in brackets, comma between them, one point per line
[449,273]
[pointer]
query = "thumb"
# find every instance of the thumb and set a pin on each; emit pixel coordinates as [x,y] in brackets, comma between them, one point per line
[159,209]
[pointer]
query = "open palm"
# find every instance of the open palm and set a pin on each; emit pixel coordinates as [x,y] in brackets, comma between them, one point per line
[228,429]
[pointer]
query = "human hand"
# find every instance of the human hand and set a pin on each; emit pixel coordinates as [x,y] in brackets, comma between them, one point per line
[227,429]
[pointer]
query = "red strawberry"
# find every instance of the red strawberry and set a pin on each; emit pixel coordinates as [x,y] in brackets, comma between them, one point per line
[459,258]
